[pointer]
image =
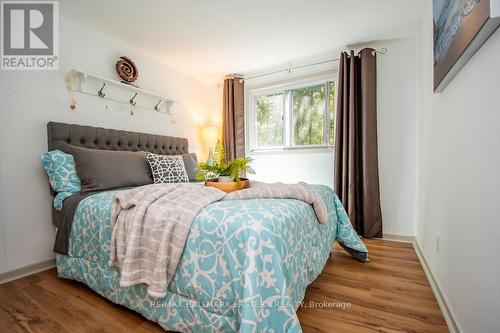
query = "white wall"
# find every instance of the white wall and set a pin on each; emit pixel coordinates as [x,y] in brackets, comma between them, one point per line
[397,110]
[459,184]
[311,166]
[397,136]
[32,98]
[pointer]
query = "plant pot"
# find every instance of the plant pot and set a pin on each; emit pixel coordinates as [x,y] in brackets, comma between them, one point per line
[225,179]
[228,186]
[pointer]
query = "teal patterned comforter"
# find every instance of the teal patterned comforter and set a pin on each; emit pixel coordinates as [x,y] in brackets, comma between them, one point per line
[245,267]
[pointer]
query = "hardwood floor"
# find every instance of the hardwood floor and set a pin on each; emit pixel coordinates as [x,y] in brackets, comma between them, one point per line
[388,294]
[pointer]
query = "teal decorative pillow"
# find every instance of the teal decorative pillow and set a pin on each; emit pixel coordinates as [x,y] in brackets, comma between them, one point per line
[61,169]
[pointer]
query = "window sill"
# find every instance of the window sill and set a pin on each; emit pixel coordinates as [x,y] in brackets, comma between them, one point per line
[297,149]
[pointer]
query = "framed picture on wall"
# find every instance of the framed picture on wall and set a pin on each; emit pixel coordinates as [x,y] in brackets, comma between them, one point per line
[460,28]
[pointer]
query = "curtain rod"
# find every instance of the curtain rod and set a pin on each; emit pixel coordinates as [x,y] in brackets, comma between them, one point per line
[289,69]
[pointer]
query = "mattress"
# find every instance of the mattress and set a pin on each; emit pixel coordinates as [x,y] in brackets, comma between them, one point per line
[245,266]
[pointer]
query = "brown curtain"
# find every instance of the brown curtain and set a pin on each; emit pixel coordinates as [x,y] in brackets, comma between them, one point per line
[233,126]
[356,157]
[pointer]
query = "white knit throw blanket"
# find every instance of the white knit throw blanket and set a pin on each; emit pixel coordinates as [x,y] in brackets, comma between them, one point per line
[301,191]
[150,225]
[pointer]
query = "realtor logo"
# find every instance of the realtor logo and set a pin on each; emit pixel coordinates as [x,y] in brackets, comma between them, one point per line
[30,35]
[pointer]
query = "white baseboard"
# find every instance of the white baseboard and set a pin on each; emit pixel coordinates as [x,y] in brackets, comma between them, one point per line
[398,238]
[441,299]
[25,271]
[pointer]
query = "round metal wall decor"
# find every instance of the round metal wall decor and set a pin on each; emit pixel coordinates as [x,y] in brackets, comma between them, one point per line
[127,70]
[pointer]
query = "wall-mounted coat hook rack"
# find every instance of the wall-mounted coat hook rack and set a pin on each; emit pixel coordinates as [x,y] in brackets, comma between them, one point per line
[132,102]
[102,87]
[157,106]
[100,93]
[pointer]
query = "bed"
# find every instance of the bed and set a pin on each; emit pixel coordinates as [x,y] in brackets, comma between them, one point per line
[245,266]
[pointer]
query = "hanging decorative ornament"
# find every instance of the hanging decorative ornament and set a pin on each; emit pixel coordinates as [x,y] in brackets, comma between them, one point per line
[127,70]
[69,86]
[72,104]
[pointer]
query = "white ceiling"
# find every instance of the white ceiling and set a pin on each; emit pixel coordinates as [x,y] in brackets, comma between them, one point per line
[209,38]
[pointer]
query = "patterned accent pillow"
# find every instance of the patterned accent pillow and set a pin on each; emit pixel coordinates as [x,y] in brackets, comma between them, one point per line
[61,169]
[167,169]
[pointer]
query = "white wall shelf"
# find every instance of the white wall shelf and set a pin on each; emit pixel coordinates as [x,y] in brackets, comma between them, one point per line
[101,87]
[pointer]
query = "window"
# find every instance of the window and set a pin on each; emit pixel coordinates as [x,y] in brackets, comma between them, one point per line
[269,114]
[292,117]
[308,115]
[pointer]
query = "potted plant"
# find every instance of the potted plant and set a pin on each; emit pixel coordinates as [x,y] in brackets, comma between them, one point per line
[225,175]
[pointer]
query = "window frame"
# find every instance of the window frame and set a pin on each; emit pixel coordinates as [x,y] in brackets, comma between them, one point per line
[286,89]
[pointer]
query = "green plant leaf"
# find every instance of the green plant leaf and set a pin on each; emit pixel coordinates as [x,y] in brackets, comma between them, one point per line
[232,168]
[219,154]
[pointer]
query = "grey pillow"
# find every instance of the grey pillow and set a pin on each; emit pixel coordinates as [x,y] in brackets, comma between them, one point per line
[167,168]
[191,165]
[101,170]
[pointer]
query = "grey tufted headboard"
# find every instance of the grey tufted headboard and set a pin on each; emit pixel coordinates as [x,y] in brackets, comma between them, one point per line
[61,136]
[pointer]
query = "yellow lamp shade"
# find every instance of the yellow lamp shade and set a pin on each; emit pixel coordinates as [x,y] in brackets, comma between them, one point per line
[209,135]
